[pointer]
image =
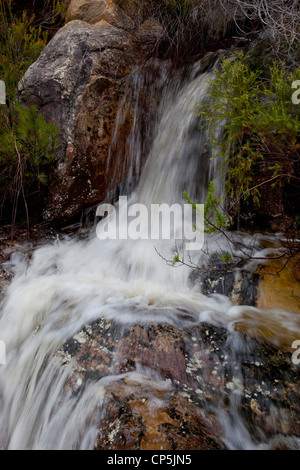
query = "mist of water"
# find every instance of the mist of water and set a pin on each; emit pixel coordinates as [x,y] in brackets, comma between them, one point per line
[70,283]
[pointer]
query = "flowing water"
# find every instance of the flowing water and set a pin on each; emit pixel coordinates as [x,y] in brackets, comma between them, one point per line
[71,283]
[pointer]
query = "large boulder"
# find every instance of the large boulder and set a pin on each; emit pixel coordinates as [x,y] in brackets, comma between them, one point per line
[79,83]
[168,388]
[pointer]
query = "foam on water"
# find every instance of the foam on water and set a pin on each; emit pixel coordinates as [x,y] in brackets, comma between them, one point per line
[70,283]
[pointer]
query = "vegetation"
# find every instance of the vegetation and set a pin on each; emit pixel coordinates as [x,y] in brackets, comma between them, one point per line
[27,141]
[193,26]
[262,125]
[260,146]
[253,97]
[214,217]
[27,147]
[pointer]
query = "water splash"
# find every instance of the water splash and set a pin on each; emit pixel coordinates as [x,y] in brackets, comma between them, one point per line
[72,283]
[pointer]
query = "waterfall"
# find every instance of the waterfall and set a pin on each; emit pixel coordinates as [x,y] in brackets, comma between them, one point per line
[71,283]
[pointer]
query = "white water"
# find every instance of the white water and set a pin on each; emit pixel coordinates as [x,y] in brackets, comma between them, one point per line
[70,283]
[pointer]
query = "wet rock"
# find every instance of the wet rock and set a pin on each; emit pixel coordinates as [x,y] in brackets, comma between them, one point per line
[94,349]
[208,366]
[79,82]
[21,244]
[5,278]
[132,416]
[159,348]
[156,402]
[280,288]
[271,398]
[166,388]
[238,284]
[271,286]
[195,430]
[149,416]
[120,428]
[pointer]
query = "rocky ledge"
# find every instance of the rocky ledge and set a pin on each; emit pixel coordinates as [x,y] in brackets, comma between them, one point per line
[21,243]
[170,388]
[79,82]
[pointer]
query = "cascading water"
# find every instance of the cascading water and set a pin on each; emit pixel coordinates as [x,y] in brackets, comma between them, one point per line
[71,283]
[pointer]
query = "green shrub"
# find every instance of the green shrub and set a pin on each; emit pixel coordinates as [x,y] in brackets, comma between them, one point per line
[20,46]
[27,148]
[22,39]
[27,141]
[215,219]
[262,125]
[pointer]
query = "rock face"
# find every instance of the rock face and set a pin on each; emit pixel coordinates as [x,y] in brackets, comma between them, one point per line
[272,285]
[166,388]
[280,290]
[240,286]
[96,10]
[78,82]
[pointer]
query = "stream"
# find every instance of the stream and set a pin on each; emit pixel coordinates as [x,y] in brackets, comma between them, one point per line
[92,324]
